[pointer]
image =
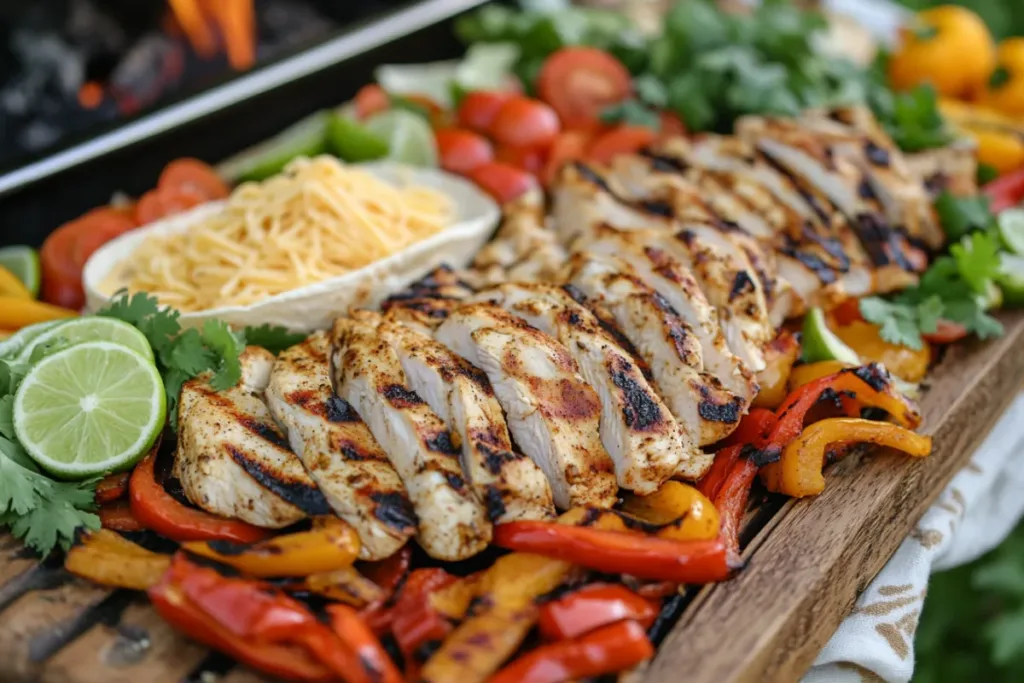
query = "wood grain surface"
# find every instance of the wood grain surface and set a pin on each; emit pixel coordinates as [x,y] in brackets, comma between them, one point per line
[806,565]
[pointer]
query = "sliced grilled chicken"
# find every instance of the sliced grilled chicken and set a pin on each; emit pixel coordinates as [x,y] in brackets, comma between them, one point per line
[553,415]
[338,450]
[523,249]
[653,263]
[233,461]
[953,168]
[510,484]
[452,523]
[637,429]
[426,303]
[667,344]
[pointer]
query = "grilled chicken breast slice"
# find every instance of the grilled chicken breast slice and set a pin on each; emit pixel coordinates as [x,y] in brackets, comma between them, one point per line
[510,484]
[553,415]
[636,427]
[523,249]
[697,398]
[233,461]
[338,450]
[426,303]
[453,525]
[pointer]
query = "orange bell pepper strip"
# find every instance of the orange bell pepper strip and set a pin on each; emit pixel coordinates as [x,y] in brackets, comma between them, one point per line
[112,487]
[352,631]
[682,512]
[300,554]
[799,471]
[592,607]
[780,355]
[345,585]
[118,516]
[104,557]
[607,650]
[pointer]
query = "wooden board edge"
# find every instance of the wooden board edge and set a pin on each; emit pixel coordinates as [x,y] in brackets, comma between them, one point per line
[807,567]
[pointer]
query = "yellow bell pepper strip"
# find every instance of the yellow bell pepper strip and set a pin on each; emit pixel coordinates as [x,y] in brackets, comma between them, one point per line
[107,558]
[949,47]
[16,313]
[780,356]
[808,372]
[999,138]
[682,512]
[902,361]
[300,554]
[800,468]
[345,585]
[11,286]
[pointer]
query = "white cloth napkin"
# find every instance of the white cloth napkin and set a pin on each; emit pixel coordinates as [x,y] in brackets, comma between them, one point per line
[973,515]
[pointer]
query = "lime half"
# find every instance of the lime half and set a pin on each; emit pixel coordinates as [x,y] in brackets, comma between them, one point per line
[409,137]
[352,142]
[1011,230]
[1011,279]
[12,346]
[23,262]
[94,408]
[92,328]
[820,343]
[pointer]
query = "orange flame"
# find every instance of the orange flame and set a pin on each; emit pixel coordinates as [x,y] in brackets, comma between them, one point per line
[235,20]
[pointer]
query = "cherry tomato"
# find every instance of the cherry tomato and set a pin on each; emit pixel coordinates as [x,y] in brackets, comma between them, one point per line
[579,82]
[522,122]
[193,176]
[502,181]
[462,150]
[847,312]
[530,159]
[371,99]
[478,109]
[569,146]
[160,203]
[946,332]
[621,140]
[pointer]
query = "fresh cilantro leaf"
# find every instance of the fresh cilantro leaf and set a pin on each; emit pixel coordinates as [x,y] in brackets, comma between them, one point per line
[273,338]
[650,89]
[7,417]
[898,322]
[11,374]
[977,259]
[961,215]
[159,325]
[697,26]
[632,113]
[20,486]
[228,346]
[174,379]
[929,312]
[969,313]
[986,174]
[188,354]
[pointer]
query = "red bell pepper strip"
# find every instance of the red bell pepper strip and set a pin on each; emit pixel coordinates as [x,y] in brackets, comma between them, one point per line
[592,607]
[378,616]
[1005,192]
[731,500]
[119,517]
[389,572]
[354,632]
[415,621]
[607,650]
[619,552]
[156,509]
[752,430]
[112,487]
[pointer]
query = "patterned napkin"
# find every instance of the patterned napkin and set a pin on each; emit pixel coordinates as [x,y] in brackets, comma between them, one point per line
[979,508]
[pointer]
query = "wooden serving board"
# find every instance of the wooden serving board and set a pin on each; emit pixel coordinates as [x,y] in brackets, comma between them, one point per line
[807,562]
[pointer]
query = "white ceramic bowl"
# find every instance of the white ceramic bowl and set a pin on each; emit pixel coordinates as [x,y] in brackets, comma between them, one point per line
[316,306]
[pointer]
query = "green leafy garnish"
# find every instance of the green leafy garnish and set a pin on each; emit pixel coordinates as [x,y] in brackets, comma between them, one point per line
[961,215]
[273,338]
[632,113]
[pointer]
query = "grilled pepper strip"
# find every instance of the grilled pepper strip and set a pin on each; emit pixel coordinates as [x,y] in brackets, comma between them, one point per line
[156,509]
[799,472]
[118,516]
[389,572]
[607,650]
[414,620]
[112,487]
[807,373]
[616,552]
[753,430]
[731,499]
[352,631]
[300,554]
[345,585]
[592,607]
[683,512]
[106,558]
[780,355]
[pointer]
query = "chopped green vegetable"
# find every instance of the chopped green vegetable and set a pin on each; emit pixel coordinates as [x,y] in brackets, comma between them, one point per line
[961,215]
[273,338]
[632,113]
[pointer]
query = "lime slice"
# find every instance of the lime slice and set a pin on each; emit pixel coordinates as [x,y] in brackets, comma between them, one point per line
[89,329]
[306,138]
[410,139]
[12,346]
[94,408]
[1011,279]
[1011,230]
[23,262]
[821,343]
[352,142]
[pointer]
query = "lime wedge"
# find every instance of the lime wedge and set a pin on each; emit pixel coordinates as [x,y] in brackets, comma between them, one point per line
[1011,230]
[409,137]
[820,343]
[94,408]
[23,262]
[89,329]
[352,142]
[1011,279]
[12,346]
[306,138]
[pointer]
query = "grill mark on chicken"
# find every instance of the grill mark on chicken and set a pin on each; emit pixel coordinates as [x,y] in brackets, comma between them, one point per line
[729,413]
[494,503]
[884,244]
[664,163]
[741,284]
[640,411]
[442,443]
[876,155]
[865,190]
[593,177]
[307,498]
[307,401]
[607,323]
[339,411]
[394,509]
[400,397]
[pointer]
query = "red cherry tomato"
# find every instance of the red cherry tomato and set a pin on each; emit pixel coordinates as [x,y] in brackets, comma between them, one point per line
[671,125]
[522,122]
[193,176]
[502,181]
[621,140]
[579,82]
[946,332]
[160,203]
[371,99]
[530,159]
[478,109]
[569,146]
[462,150]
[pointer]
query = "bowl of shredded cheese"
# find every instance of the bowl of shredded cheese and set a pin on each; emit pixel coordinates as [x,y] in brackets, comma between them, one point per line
[300,248]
